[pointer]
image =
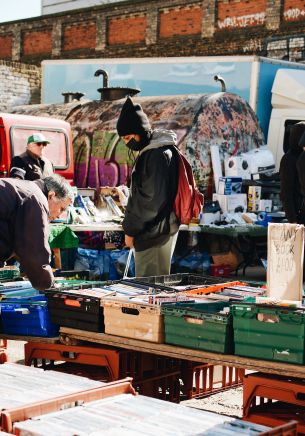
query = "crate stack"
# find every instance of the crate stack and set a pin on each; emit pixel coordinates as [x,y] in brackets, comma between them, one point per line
[184,310]
[40,403]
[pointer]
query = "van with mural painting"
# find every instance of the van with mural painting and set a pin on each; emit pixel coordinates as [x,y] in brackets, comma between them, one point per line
[200,115]
[201,120]
[14,131]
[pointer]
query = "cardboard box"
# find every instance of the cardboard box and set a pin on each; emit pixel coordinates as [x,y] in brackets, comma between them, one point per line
[237,166]
[265,205]
[231,259]
[229,185]
[254,193]
[209,218]
[254,206]
[232,203]
[285,261]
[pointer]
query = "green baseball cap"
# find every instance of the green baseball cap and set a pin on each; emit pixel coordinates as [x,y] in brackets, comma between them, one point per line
[37,137]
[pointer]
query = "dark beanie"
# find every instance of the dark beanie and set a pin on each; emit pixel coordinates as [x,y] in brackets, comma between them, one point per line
[132,119]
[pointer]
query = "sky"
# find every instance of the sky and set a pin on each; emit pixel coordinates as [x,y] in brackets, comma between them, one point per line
[11,10]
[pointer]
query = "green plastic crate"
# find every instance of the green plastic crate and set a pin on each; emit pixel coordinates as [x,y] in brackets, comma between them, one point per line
[282,339]
[9,273]
[199,326]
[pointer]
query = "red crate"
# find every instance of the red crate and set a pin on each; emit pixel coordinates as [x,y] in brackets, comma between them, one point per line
[273,400]
[106,357]
[202,380]
[155,376]
[9,416]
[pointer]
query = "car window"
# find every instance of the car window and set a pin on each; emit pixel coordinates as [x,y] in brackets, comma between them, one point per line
[56,151]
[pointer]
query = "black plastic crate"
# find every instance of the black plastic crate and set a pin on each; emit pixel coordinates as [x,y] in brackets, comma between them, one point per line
[70,308]
[171,281]
[75,311]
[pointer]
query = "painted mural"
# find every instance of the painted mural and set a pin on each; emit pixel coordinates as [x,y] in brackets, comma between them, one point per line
[101,158]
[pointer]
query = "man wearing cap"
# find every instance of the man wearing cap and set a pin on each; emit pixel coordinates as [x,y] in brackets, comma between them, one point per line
[32,165]
[150,225]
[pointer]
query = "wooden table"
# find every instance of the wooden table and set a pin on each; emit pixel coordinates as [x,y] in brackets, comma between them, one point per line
[28,338]
[176,352]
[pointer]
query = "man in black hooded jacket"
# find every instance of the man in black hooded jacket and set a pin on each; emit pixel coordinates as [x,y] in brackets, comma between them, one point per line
[291,195]
[150,225]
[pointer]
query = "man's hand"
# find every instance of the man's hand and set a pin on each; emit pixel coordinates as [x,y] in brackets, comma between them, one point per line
[129,241]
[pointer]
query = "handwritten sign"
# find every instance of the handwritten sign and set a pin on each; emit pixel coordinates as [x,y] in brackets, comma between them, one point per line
[285,261]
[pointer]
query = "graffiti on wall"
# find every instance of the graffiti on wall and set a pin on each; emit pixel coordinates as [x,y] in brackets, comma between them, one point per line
[101,158]
[294,14]
[253,45]
[257,19]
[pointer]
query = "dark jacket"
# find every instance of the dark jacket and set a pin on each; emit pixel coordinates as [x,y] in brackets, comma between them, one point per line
[27,166]
[24,229]
[149,216]
[290,187]
[301,176]
[291,196]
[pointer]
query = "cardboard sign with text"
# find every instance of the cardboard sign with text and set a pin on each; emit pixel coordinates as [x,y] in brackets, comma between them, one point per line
[285,261]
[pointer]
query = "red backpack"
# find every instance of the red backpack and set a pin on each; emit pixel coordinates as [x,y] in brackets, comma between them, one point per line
[189,201]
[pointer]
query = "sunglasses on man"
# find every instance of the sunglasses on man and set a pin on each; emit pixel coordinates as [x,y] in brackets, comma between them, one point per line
[41,144]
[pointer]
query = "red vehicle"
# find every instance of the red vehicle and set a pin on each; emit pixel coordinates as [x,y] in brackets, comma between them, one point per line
[14,131]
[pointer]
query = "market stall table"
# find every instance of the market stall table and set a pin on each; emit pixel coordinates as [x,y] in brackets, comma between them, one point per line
[249,240]
[287,369]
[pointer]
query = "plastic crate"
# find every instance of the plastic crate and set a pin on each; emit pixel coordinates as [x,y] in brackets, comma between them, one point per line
[80,306]
[17,289]
[73,274]
[194,327]
[27,317]
[273,400]
[8,273]
[269,332]
[201,380]
[134,320]
[216,287]
[130,415]
[71,400]
[76,311]
[182,280]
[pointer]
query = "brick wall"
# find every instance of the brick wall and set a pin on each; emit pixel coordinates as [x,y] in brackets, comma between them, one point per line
[241,14]
[6,44]
[19,84]
[294,10]
[127,30]
[181,21]
[79,36]
[37,42]
[153,28]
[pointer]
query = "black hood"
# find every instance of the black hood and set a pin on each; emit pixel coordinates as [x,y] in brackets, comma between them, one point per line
[132,119]
[296,133]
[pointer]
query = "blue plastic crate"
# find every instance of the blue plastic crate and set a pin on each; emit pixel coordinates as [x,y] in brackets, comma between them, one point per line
[27,318]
